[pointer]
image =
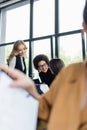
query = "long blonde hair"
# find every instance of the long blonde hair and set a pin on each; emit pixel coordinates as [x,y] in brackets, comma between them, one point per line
[15,50]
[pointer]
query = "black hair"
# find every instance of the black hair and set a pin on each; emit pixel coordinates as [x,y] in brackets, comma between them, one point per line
[39,58]
[85,13]
[56,65]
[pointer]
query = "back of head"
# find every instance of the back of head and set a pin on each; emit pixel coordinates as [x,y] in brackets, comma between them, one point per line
[56,65]
[38,58]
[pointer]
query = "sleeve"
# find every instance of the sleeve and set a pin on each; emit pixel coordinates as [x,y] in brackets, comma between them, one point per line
[47,100]
[12,62]
[63,104]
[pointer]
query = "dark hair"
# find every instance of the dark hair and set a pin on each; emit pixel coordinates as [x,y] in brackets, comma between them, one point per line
[39,58]
[56,65]
[85,13]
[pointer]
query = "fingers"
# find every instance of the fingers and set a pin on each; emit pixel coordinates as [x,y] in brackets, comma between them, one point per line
[20,80]
[16,84]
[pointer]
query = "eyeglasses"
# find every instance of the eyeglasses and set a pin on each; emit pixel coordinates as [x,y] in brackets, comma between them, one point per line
[41,66]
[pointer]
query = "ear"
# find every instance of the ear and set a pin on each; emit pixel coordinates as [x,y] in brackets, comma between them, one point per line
[84,27]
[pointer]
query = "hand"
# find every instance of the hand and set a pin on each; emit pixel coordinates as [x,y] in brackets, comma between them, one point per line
[21,80]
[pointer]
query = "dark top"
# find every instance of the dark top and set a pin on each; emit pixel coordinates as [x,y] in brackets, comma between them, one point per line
[47,77]
[18,64]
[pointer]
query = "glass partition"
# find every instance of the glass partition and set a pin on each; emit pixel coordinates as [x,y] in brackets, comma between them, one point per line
[70,48]
[17,23]
[43,18]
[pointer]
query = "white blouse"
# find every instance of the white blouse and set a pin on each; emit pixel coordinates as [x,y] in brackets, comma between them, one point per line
[12,62]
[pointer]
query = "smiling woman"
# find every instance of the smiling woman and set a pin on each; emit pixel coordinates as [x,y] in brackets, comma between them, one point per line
[17,57]
[41,63]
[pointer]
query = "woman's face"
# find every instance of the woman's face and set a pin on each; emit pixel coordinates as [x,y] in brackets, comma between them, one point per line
[22,50]
[42,66]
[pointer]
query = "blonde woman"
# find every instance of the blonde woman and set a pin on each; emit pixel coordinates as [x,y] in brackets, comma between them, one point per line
[17,57]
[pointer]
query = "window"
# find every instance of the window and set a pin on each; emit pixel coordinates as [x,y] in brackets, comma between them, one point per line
[70,48]
[70,14]
[17,23]
[17,27]
[43,18]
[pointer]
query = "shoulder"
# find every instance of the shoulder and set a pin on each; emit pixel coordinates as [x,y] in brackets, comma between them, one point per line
[12,62]
[14,58]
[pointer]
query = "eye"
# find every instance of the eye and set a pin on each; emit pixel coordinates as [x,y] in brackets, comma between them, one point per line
[23,49]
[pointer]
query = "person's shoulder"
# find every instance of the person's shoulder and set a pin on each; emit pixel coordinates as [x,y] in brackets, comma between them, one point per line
[13,58]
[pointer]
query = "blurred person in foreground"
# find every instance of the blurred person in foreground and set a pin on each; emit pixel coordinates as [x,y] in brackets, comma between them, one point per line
[64,106]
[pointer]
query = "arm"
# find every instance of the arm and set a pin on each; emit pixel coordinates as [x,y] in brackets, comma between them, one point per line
[21,80]
[12,62]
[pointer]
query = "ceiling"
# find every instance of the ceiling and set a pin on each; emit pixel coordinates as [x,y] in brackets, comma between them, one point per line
[4,3]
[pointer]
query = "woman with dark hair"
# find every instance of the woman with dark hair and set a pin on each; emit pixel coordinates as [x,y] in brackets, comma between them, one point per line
[41,63]
[39,58]
[56,65]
